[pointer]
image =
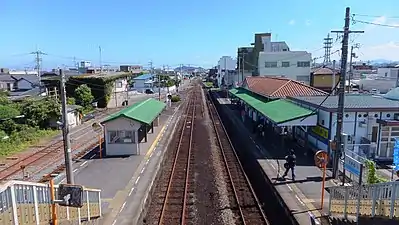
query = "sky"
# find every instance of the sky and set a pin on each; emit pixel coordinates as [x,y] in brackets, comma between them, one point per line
[178,32]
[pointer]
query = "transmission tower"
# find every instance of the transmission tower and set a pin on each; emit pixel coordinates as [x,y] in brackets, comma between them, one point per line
[38,58]
[327,49]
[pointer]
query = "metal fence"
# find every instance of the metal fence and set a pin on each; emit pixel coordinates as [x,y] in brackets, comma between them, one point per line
[365,200]
[30,203]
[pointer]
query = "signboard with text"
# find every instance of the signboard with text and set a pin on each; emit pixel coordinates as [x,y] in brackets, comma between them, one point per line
[396,154]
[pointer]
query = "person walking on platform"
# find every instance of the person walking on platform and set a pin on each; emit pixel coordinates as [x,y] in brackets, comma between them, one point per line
[290,164]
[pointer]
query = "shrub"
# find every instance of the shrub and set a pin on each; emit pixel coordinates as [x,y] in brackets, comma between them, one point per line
[175,98]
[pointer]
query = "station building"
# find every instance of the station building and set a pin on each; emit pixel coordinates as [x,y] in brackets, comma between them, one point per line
[371,122]
[125,130]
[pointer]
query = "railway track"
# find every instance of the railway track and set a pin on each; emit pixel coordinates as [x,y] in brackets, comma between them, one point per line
[41,159]
[174,206]
[245,204]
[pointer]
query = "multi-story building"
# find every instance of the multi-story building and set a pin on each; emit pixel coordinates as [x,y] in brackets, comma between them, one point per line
[277,60]
[135,69]
[245,63]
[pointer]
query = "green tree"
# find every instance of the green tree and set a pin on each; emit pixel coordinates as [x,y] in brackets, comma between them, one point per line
[7,112]
[83,95]
[71,101]
[41,112]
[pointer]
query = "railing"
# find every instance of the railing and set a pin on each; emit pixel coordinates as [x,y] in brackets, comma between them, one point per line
[29,203]
[365,200]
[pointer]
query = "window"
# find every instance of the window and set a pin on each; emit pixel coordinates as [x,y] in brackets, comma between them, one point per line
[285,64]
[119,84]
[270,64]
[121,137]
[303,64]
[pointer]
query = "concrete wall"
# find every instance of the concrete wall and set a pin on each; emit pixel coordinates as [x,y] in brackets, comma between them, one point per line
[292,71]
[115,149]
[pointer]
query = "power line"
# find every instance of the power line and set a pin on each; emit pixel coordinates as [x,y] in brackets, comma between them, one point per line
[375,16]
[373,23]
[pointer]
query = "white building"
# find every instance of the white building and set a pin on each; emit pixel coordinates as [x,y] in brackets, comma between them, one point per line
[371,122]
[388,72]
[278,60]
[144,82]
[225,64]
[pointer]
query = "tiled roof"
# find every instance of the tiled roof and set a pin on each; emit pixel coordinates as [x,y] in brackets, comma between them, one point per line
[352,102]
[275,87]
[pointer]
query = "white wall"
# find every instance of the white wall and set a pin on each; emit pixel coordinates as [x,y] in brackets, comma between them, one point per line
[121,85]
[73,119]
[388,72]
[121,149]
[292,71]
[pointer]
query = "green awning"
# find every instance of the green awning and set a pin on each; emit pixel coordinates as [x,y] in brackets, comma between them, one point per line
[278,111]
[143,111]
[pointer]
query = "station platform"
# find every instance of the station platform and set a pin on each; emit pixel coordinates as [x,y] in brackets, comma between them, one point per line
[119,178]
[302,196]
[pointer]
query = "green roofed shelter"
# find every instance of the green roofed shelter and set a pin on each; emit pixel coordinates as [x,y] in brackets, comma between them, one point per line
[280,112]
[125,130]
[145,111]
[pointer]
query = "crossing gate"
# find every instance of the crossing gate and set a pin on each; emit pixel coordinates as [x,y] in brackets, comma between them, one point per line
[30,203]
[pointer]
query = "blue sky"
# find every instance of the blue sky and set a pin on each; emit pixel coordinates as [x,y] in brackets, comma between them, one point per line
[176,31]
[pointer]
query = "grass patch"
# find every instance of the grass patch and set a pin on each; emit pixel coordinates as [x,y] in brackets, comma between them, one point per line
[20,141]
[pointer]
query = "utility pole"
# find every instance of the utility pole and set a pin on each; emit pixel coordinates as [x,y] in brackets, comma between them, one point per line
[38,58]
[239,67]
[341,92]
[333,79]
[100,54]
[353,55]
[65,131]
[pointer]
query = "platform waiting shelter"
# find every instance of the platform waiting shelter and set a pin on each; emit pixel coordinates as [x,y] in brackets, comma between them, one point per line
[278,113]
[125,130]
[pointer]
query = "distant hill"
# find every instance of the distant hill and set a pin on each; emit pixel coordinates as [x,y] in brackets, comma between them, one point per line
[188,68]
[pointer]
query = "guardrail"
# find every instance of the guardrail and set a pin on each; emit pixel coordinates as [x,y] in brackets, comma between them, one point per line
[366,200]
[30,203]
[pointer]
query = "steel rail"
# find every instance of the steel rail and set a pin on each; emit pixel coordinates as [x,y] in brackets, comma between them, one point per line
[182,135]
[35,157]
[213,110]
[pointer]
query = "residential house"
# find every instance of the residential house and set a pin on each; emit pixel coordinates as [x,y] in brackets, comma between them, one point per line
[18,82]
[144,82]
[7,82]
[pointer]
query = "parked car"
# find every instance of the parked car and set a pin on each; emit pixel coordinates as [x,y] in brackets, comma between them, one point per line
[88,117]
[149,91]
